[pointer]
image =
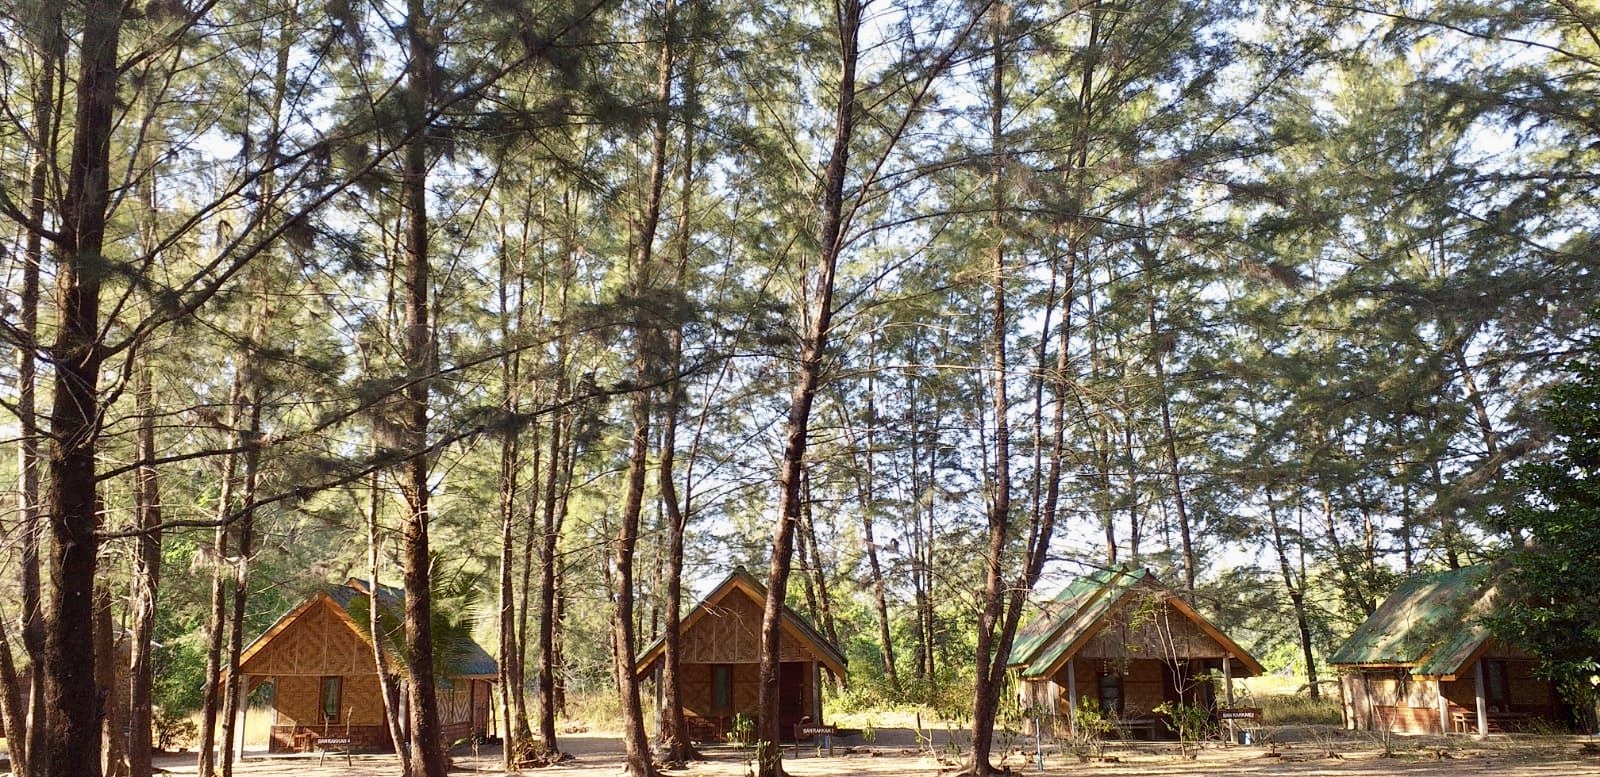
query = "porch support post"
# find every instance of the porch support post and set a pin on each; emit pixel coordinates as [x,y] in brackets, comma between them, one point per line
[661,718]
[1444,707]
[1483,702]
[244,707]
[1072,696]
[1227,690]
[816,691]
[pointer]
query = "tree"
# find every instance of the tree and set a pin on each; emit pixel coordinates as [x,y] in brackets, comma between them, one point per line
[1548,591]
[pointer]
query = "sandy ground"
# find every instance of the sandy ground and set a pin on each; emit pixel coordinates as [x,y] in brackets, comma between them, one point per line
[896,752]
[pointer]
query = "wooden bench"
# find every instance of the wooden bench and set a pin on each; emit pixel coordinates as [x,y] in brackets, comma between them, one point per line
[1148,726]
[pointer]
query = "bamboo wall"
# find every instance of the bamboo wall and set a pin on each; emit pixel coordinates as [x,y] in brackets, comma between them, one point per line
[730,633]
[319,642]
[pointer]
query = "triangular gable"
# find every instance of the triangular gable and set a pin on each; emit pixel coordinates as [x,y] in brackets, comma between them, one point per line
[315,638]
[329,610]
[1082,610]
[741,583]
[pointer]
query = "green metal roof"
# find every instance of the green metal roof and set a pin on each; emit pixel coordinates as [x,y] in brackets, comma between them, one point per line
[1069,617]
[1431,623]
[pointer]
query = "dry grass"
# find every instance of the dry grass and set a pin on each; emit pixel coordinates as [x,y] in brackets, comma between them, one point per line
[1299,710]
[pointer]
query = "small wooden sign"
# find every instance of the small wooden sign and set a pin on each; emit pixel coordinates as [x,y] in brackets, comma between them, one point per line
[808,730]
[1239,713]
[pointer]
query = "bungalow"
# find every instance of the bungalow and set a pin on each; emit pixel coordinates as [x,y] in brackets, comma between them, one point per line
[721,661]
[1424,662]
[318,660]
[1121,638]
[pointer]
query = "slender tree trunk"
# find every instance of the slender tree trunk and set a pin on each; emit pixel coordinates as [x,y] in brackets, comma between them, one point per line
[554,502]
[1296,597]
[1174,466]
[146,583]
[389,689]
[647,355]
[819,575]
[11,712]
[635,742]
[233,695]
[423,706]
[547,598]
[211,695]
[30,755]
[797,427]
[865,480]
[674,726]
[985,696]
[75,411]
[113,761]
[511,706]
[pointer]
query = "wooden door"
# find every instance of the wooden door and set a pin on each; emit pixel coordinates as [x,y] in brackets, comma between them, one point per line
[793,679]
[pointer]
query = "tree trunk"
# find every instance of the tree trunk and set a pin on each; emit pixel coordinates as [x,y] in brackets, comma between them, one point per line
[11,713]
[819,576]
[389,689]
[635,742]
[676,744]
[985,696]
[29,755]
[646,367]
[550,701]
[211,695]
[512,710]
[1296,596]
[113,761]
[233,695]
[75,411]
[1174,466]
[423,704]
[146,583]
[865,481]
[797,427]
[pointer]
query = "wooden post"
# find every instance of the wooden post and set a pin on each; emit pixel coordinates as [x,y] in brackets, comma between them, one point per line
[816,692]
[661,718]
[1444,707]
[244,707]
[1227,690]
[1483,702]
[1072,696]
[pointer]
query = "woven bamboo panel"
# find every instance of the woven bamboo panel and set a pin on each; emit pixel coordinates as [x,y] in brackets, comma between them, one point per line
[363,700]
[319,642]
[730,633]
[299,700]
[455,703]
[696,689]
[746,688]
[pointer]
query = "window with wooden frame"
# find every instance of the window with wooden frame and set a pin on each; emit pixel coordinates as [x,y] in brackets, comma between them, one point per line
[1111,693]
[721,689]
[332,696]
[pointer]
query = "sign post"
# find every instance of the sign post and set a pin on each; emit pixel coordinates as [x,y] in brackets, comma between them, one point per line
[1234,715]
[809,730]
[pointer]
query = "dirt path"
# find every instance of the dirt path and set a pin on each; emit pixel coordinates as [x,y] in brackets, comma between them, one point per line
[601,756]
